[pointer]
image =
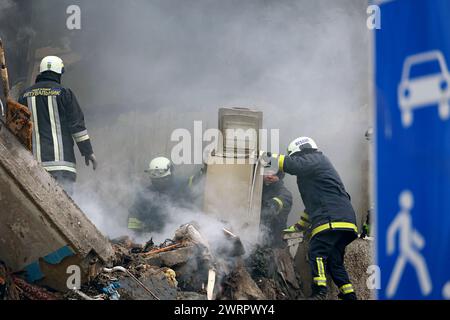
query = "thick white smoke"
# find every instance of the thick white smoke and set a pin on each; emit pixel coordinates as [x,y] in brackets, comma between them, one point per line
[149,67]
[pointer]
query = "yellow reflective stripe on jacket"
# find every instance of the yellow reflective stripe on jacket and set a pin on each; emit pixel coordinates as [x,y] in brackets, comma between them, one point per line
[281,162]
[347,288]
[134,223]
[279,202]
[191,180]
[334,225]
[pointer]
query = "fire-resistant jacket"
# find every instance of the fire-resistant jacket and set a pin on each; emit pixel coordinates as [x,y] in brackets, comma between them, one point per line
[57,121]
[153,208]
[275,209]
[326,201]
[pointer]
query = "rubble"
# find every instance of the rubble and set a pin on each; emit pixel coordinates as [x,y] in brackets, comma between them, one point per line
[162,286]
[8,289]
[187,268]
[274,272]
[33,292]
[187,295]
[239,285]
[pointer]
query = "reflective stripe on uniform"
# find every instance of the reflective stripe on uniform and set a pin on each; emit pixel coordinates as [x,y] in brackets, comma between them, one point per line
[59,166]
[134,223]
[36,135]
[304,217]
[304,220]
[51,114]
[321,280]
[81,136]
[279,202]
[281,162]
[321,267]
[334,225]
[347,288]
[191,180]
[58,128]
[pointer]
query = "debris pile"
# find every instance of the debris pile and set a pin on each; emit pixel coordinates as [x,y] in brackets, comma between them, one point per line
[274,272]
[186,267]
[12,287]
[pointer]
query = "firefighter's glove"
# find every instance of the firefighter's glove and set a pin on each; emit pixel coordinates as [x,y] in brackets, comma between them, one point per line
[294,228]
[93,159]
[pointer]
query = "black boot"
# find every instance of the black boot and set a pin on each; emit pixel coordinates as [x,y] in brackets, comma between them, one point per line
[348,296]
[319,293]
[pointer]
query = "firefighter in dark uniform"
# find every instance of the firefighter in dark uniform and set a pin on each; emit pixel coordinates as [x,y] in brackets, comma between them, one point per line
[159,196]
[330,215]
[57,121]
[275,209]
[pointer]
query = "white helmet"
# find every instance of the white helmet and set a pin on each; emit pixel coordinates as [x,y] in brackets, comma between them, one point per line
[159,168]
[300,144]
[52,63]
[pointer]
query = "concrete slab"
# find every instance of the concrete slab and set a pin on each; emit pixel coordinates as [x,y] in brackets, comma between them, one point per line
[42,230]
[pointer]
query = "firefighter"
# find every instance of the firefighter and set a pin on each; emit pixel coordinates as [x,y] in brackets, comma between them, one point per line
[159,195]
[328,213]
[275,208]
[57,121]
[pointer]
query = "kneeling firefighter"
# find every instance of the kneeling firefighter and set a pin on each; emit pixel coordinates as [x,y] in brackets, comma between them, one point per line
[330,215]
[157,199]
[275,208]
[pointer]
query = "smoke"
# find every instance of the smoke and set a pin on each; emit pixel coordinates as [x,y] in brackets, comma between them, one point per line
[5,5]
[149,67]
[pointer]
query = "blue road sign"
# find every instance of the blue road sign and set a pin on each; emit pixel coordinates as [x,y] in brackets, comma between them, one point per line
[412,60]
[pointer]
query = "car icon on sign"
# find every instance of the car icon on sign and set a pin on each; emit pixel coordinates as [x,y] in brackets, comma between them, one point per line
[425,90]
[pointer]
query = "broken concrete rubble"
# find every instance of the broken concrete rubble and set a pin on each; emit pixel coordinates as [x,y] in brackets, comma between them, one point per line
[239,285]
[180,269]
[172,258]
[274,272]
[161,285]
[186,295]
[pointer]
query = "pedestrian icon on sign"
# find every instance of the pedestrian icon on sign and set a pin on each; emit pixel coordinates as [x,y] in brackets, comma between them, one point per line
[410,243]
